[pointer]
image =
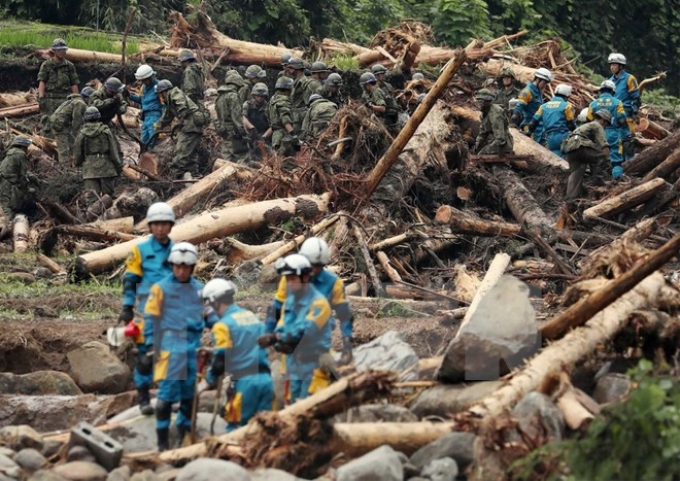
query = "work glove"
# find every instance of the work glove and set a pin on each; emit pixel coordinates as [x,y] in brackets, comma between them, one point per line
[32,178]
[369,104]
[294,141]
[346,356]
[126,314]
[43,104]
[516,119]
[157,126]
[31,190]
[125,94]
[266,340]
[145,361]
[284,347]
[254,135]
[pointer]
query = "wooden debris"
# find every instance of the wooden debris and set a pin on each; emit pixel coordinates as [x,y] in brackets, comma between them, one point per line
[652,156]
[20,236]
[625,200]
[370,267]
[19,110]
[389,270]
[51,265]
[462,223]
[297,242]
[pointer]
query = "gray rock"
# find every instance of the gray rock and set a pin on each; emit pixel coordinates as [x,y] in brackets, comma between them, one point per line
[388,352]
[500,336]
[206,469]
[20,437]
[45,475]
[95,368]
[4,477]
[272,475]
[50,448]
[10,453]
[537,414]
[418,478]
[80,453]
[9,468]
[456,445]
[381,464]
[122,473]
[38,383]
[146,475]
[373,413]
[30,459]
[445,469]
[612,387]
[444,399]
[410,470]
[81,471]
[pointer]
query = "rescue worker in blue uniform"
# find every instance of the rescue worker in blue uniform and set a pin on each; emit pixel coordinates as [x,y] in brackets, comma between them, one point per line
[237,353]
[529,100]
[152,109]
[303,331]
[175,308]
[628,92]
[617,130]
[146,265]
[558,117]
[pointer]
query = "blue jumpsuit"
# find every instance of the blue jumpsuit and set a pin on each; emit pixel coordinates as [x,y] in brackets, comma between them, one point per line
[557,115]
[146,265]
[530,100]
[176,310]
[236,352]
[617,130]
[305,321]
[152,109]
[627,91]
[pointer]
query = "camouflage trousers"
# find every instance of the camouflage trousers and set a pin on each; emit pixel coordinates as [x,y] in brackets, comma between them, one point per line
[234,150]
[96,188]
[186,154]
[47,107]
[65,141]
[579,160]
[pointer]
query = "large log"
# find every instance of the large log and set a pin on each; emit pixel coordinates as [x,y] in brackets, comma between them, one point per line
[574,347]
[329,45]
[16,99]
[496,270]
[121,224]
[665,168]
[463,223]
[94,233]
[429,55]
[19,110]
[238,252]
[625,200]
[540,156]
[209,225]
[77,55]
[20,237]
[652,156]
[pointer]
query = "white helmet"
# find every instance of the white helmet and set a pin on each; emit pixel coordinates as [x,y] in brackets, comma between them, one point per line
[183,253]
[294,264]
[543,74]
[563,89]
[144,71]
[316,250]
[617,58]
[160,212]
[217,289]
[583,116]
[608,85]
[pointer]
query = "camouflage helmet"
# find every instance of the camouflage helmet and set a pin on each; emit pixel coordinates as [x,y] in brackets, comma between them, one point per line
[378,69]
[485,95]
[233,78]
[113,84]
[284,83]
[296,63]
[255,71]
[286,58]
[313,97]
[507,72]
[318,67]
[367,78]
[418,76]
[162,86]
[185,55]
[420,98]
[86,92]
[334,79]
[604,114]
[92,113]
[58,44]
[21,141]
[260,89]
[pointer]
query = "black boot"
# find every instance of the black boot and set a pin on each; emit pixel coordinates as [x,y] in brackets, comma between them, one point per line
[163,439]
[144,401]
[181,434]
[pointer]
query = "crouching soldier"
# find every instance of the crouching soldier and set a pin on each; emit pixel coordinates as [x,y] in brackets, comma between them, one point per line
[494,132]
[67,120]
[319,115]
[15,177]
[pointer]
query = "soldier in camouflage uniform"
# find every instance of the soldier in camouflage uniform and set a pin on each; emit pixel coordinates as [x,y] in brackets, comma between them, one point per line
[254,75]
[56,79]
[319,71]
[193,77]
[229,123]
[255,120]
[380,72]
[96,153]
[281,119]
[192,122]
[14,176]
[331,90]
[494,132]
[109,100]
[375,100]
[508,90]
[319,116]
[303,88]
[67,120]
[285,60]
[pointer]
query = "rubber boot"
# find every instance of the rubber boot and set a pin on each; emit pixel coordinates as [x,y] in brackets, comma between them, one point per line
[181,434]
[163,439]
[145,401]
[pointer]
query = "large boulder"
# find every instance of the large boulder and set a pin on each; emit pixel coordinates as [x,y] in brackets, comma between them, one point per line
[81,471]
[21,437]
[96,369]
[537,416]
[38,383]
[388,352]
[457,446]
[612,387]
[444,469]
[377,413]
[30,459]
[501,334]
[206,469]
[444,399]
[381,464]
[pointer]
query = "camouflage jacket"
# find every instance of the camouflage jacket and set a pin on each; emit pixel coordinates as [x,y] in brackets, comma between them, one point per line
[336,97]
[96,152]
[504,96]
[13,180]
[229,110]
[193,82]
[319,115]
[180,106]
[58,77]
[69,115]
[256,115]
[590,135]
[494,132]
[279,111]
[109,107]
[377,97]
[303,88]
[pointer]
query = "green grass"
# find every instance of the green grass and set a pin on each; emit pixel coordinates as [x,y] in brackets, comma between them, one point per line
[345,62]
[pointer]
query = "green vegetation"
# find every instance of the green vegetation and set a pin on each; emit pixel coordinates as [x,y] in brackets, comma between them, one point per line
[345,62]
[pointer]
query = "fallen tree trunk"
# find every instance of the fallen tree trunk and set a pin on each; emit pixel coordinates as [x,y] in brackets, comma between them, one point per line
[238,252]
[370,267]
[122,224]
[77,55]
[652,156]
[385,264]
[625,200]
[462,223]
[575,346]
[94,233]
[329,45]
[540,156]
[665,168]
[20,235]
[19,110]
[16,99]
[429,55]
[209,225]
[51,265]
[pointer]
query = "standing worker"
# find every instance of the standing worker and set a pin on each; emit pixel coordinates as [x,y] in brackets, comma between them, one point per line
[192,122]
[254,75]
[628,92]
[152,109]
[319,115]
[237,353]
[175,308]
[14,176]
[279,113]
[617,131]
[494,132]
[67,120]
[319,71]
[96,153]
[507,89]
[303,332]
[558,118]
[332,90]
[109,100]
[229,124]
[57,78]
[146,265]
[193,77]
[587,145]
[377,102]
[255,120]
[529,100]
[303,88]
